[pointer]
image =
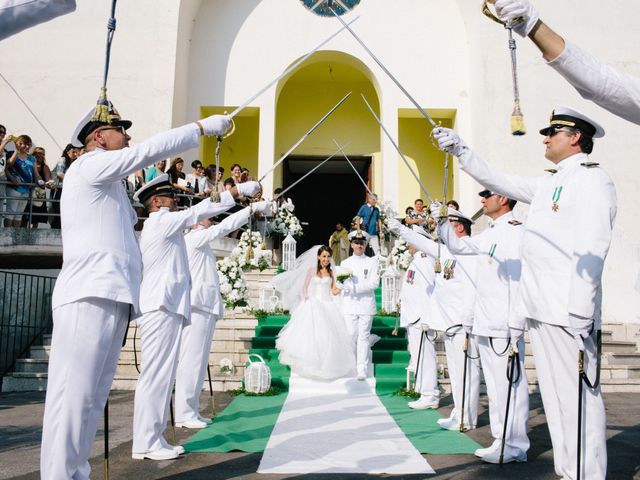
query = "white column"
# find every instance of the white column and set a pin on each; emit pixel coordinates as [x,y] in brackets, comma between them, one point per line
[266,142]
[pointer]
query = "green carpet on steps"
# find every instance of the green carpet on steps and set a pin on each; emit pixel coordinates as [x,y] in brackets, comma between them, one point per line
[247,422]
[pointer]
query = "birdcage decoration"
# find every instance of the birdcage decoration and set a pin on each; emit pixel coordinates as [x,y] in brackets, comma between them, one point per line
[257,375]
[270,299]
[288,253]
[390,289]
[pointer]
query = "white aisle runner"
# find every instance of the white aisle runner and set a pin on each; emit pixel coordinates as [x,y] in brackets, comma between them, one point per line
[338,427]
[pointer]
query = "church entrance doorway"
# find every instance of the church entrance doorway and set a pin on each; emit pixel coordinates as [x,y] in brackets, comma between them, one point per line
[331,194]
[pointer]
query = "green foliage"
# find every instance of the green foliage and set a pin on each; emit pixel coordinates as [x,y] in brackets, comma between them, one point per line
[269,393]
[382,313]
[261,314]
[403,392]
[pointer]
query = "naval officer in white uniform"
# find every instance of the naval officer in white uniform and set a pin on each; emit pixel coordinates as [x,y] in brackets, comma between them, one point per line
[99,282]
[359,300]
[165,304]
[416,291]
[498,250]
[450,312]
[613,90]
[207,307]
[566,240]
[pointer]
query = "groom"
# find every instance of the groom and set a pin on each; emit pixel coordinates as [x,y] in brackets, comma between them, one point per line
[359,301]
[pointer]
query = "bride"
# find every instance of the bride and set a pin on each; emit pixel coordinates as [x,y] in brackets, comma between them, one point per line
[315,342]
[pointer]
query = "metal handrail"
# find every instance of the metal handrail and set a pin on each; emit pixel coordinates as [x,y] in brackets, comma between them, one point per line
[25,315]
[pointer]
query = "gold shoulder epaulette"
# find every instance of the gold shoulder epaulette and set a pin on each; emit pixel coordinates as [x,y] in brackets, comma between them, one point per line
[552,171]
[589,164]
[515,222]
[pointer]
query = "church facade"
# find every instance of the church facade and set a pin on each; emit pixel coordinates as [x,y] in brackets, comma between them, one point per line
[178,60]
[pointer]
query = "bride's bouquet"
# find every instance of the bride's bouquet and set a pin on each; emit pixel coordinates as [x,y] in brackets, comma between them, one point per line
[343,274]
[285,222]
[233,288]
[400,255]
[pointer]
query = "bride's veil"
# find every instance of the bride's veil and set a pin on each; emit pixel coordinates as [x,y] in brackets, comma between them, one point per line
[290,284]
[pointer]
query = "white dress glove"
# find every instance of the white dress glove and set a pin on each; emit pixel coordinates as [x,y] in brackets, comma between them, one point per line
[264,207]
[522,12]
[248,189]
[516,334]
[394,225]
[216,125]
[424,327]
[434,209]
[449,141]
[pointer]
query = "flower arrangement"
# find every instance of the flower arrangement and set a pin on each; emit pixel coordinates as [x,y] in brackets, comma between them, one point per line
[343,274]
[233,288]
[251,252]
[226,366]
[285,222]
[400,255]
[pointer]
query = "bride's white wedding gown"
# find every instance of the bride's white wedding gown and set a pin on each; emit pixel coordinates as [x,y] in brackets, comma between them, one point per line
[315,342]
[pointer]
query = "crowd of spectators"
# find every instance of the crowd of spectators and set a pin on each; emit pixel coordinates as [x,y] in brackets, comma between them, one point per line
[30,190]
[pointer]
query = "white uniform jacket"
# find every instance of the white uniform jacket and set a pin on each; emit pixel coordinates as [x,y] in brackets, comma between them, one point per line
[617,92]
[166,282]
[454,295]
[498,269]
[205,284]
[101,257]
[566,239]
[417,287]
[361,299]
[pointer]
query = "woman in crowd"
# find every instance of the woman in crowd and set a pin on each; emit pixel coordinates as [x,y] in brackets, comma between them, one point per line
[236,173]
[69,154]
[213,179]
[179,179]
[43,179]
[19,171]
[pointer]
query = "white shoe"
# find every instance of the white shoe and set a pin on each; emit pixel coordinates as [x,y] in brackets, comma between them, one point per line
[362,376]
[373,339]
[423,403]
[443,420]
[453,424]
[160,454]
[208,421]
[510,455]
[179,449]
[481,452]
[195,424]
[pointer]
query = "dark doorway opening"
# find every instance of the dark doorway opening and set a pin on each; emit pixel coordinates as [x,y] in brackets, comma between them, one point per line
[331,194]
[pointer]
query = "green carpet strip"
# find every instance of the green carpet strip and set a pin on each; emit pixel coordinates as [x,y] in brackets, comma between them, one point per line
[246,424]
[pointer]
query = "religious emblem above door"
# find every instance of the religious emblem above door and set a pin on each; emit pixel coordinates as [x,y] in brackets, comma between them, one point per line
[324,7]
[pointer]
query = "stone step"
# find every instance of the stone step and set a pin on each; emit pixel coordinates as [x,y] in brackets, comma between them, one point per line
[623,359]
[221,383]
[25,382]
[32,365]
[619,347]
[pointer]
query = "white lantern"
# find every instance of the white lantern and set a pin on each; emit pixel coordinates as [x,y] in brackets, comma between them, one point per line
[270,299]
[257,375]
[390,289]
[288,253]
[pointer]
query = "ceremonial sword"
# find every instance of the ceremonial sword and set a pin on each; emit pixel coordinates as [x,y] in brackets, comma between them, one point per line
[310,171]
[514,358]
[352,166]
[295,145]
[406,162]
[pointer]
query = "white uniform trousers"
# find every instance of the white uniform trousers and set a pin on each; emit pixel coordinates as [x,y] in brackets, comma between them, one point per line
[85,346]
[494,368]
[425,362]
[160,345]
[359,327]
[374,241]
[192,366]
[454,346]
[556,356]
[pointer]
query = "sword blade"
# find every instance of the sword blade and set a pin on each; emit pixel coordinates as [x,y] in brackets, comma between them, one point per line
[288,70]
[352,166]
[406,162]
[384,69]
[302,139]
[309,172]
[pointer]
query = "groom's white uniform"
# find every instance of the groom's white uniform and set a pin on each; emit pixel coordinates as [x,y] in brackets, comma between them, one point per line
[417,288]
[359,305]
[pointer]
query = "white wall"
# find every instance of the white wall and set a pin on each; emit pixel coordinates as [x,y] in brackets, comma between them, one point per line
[171,57]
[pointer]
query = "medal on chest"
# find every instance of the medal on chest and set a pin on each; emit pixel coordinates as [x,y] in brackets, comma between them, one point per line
[411,276]
[556,198]
[366,273]
[492,252]
[449,267]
